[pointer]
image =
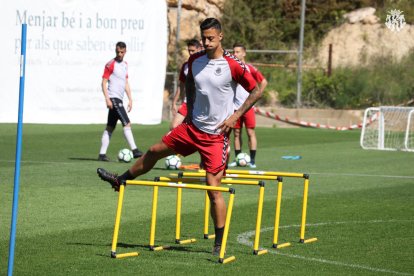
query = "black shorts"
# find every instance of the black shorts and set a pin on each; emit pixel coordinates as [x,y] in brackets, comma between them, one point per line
[117,112]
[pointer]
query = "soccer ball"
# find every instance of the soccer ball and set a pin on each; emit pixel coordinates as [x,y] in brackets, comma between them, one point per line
[242,159]
[172,162]
[125,155]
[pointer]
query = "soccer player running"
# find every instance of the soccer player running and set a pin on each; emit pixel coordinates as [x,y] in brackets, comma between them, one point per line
[211,83]
[248,118]
[114,85]
[193,46]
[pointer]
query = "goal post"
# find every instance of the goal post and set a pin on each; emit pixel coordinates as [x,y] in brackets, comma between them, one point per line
[409,134]
[388,128]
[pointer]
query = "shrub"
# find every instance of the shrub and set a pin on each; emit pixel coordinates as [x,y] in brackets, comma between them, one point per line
[384,82]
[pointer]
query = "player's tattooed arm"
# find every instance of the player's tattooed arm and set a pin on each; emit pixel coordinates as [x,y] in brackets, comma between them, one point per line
[229,123]
[253,97]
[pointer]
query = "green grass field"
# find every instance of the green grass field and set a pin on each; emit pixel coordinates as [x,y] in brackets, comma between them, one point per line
[360,207]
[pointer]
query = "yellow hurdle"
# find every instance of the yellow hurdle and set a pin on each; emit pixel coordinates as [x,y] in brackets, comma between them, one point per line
[256,250]
[228,175]
[178,220]
[283,174]
[305,194]
[124,255]
[304,207]
[277,215]
[180,186]
[224,180]
[261,184]
[207,200]
[116,229]
[178,213]
[152,246]
[264,173]
[226,232]
[267,175]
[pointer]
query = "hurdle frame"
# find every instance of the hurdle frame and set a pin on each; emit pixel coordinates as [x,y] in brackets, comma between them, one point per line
[305,176]
[155,186]
[271,175]
[178,217]
[260,183]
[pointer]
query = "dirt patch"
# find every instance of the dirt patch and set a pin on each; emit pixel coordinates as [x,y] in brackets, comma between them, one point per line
[356,44]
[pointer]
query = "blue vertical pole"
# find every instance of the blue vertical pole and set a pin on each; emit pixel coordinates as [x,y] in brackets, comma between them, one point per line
[18,152]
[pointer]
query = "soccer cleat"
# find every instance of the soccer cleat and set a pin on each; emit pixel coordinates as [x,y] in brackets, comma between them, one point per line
[137,153]
[252,165]
[216,250]
[103,157]
[232,164]
[109,177]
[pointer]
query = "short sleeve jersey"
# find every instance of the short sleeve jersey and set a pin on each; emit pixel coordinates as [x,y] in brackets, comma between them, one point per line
[117,74]
[183,75]
[241,93]
[183,72]
[215,87]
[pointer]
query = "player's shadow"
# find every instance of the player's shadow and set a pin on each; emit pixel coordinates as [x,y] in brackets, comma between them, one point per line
[85,159]
[167,246]
[160,169]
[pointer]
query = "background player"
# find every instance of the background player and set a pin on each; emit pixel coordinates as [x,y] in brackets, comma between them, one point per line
[248,118]
[193,46]
[211,82]
[114,85]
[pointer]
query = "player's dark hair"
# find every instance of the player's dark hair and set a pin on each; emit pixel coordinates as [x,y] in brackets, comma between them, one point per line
[121,45]
[194,42]
[237,44]
[210,23]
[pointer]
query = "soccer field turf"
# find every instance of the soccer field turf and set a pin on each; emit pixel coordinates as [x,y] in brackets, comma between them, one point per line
[360,207]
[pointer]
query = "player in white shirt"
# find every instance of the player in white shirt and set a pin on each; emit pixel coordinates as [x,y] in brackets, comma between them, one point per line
[211,84]
[114,85]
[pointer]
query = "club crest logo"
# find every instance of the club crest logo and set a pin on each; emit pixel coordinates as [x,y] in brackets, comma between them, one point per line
[395,20]
[217,72]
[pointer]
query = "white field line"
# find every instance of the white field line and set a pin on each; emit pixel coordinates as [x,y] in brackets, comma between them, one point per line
[363,175]
[244,238]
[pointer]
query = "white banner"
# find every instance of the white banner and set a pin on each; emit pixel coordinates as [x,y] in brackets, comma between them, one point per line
[68,44]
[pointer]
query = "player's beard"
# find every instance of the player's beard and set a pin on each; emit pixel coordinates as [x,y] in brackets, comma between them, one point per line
[212,52]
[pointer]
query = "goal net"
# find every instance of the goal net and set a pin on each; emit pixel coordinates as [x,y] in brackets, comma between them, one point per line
[388,128]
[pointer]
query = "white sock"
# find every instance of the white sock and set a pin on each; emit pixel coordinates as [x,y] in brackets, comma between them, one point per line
[106,137]
[129,137]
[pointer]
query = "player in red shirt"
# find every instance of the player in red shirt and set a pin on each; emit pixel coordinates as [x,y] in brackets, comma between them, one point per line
[211,83]
[248,118]
[193,46]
